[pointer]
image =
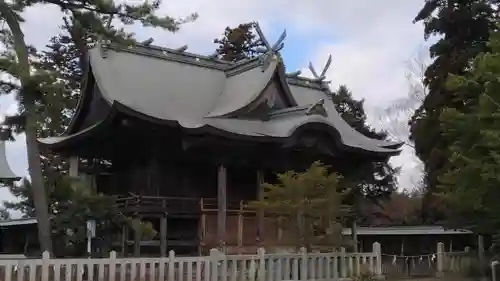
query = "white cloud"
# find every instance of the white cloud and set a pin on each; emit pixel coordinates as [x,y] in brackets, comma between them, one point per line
[377,41]
[369,40]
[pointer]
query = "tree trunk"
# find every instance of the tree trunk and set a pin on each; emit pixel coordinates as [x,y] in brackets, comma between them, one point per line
[35,169]
[39,191]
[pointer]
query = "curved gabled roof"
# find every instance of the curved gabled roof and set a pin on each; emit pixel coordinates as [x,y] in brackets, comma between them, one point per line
[308,95]
[161,88]
[233,98]
[285,127]
[197,95]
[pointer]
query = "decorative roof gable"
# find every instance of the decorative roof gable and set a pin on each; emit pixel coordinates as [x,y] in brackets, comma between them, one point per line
[254,92]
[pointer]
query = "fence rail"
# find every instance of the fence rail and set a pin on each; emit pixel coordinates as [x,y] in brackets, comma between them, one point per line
[456,261]
[215,267]
[453,262]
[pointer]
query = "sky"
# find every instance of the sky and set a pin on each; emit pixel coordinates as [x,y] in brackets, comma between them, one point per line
[370,43]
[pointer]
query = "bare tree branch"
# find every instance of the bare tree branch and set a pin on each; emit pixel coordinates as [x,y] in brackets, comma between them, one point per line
[394,118]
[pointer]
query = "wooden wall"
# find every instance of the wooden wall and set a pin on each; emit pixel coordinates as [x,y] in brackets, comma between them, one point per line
[179,179]
[242,233]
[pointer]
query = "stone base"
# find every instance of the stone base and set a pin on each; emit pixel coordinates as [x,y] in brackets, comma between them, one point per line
[439,274]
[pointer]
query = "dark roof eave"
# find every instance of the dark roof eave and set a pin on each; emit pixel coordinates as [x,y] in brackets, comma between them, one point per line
[72,139]
[117,107]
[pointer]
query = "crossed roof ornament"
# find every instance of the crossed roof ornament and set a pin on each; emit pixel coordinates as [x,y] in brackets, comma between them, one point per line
[321,77]
[269,51]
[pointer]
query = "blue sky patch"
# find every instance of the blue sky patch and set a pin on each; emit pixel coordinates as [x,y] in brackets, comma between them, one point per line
[300,47]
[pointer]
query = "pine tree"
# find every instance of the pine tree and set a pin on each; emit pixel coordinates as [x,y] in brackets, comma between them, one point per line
[36,86]
[61,57]
[238,43]
[374,180]
[463,28]
[469,181]
[310,205]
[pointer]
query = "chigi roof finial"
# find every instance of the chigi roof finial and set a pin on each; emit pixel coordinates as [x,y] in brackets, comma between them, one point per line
[269,50]
[322,76]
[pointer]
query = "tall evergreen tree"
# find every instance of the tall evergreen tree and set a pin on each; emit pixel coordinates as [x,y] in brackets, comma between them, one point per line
[37,86]
[375,180]
[464,28]
[469,181]
[238,43]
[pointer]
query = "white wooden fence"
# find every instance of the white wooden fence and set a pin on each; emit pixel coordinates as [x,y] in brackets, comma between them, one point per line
[215,267]
[494,270]
[455,262]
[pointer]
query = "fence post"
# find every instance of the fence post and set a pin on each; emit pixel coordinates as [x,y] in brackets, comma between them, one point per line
[45,266]
[112,265]
[377,250]
[215,257]
[303,264]
[261,252]
[494,276]
[466,261]
[343,263]
[171,265]
[440,259]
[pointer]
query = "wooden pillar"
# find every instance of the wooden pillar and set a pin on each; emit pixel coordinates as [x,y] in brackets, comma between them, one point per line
[240,228]
[260,215]
[354,230]
[163,235]
[221,206]
[73,166]
[203,228]
[124,240]
[137,242]
[280,228]
[480,252]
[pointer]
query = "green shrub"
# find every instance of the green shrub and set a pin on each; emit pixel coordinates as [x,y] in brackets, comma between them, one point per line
[476,268]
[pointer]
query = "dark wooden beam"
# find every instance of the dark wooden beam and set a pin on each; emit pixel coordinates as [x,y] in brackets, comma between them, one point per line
[124,240]
[260,215]
[137,242]
[221,205]
[163,235]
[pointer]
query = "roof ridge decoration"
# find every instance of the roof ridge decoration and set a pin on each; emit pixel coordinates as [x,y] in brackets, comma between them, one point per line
[318,80]
[324,85]
[322,76]
[270,51]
